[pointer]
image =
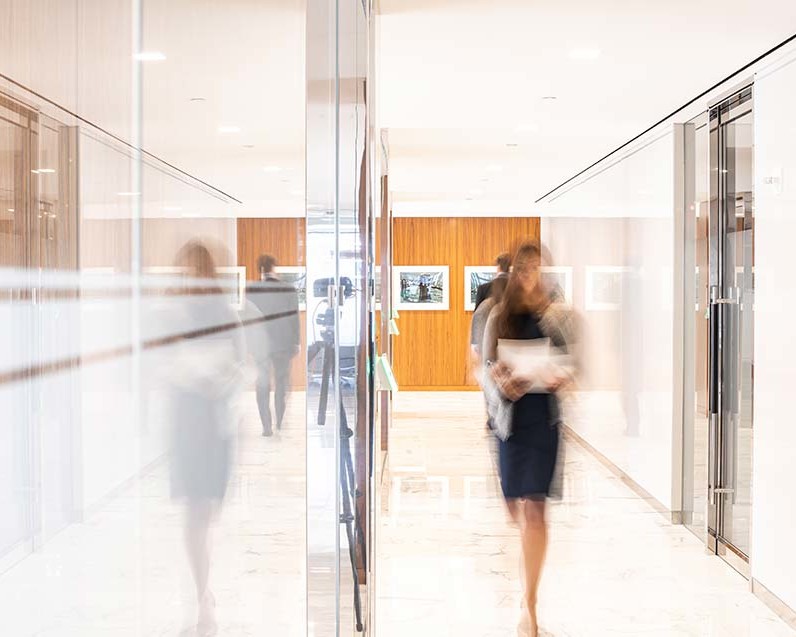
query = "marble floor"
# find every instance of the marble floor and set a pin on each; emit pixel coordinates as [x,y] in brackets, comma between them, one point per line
[123,571]
[449,560]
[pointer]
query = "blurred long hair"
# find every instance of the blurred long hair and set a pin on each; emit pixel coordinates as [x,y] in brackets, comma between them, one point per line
[516,302]
[197,259]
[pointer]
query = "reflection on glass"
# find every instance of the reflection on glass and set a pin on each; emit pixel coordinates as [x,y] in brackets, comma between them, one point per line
[137,494]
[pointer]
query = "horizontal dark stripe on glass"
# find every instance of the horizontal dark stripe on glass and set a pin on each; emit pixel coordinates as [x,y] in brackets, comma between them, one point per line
[74,362]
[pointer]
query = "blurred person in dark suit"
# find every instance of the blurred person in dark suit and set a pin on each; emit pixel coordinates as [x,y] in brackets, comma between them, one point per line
[503,263]
[275,342]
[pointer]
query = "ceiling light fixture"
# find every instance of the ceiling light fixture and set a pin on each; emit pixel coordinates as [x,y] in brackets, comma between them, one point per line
[584,54]
[197,100]
[549,98]
[229,129]
[150,56]
[10,210]
[46,171]
[272,169]
[248,145]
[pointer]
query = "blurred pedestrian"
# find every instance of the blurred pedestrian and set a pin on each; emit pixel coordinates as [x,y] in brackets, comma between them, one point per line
[275,343]
[524,406]
[204,384]
[503,265]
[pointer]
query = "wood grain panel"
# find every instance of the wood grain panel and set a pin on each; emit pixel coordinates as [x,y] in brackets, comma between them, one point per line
[281,237]
[432,351]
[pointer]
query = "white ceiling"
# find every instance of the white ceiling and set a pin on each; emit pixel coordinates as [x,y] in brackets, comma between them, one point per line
[246,59]
[461,79]
[458,80]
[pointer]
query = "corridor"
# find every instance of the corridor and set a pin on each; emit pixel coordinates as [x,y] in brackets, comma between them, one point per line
[450,559]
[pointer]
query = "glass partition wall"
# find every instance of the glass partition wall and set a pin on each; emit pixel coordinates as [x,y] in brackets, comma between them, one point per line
[184,274]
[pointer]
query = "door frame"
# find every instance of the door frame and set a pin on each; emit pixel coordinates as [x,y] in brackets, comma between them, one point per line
[737,103]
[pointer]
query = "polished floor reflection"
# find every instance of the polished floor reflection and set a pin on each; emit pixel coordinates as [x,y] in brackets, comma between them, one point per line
[123,571]
[449,559]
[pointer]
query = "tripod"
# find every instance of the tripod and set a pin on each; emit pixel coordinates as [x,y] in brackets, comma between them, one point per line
[348,488]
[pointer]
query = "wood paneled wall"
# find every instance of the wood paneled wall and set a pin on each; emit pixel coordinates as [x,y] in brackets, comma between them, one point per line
[432,351]
[281,237]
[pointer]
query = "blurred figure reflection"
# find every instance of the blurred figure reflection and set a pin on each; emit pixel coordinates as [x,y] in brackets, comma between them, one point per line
[529,358]
[632,343]
[275,343]
[204,385]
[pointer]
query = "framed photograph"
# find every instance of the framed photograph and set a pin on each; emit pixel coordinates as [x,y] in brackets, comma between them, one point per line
[475,275]
[421,287]
[604,287]
[558,279]
[234,277]
[295,275]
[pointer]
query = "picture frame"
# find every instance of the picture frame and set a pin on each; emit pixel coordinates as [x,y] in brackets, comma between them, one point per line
[296,275]
[238,291]
[558,278]
[474,276]
[604,287]
[421,287]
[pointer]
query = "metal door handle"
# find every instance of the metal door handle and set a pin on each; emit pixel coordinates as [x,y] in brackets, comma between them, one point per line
[712,473]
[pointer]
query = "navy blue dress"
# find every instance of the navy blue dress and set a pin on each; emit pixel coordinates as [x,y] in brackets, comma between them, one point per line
[527,460]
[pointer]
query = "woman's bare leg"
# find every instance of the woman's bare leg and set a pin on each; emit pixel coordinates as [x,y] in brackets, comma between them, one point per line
[533,529]
[197,544]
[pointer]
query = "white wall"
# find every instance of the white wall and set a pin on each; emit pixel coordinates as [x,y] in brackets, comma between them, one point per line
[623,217]
[773,511]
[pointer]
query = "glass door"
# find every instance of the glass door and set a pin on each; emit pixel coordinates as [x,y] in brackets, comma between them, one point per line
[731,328]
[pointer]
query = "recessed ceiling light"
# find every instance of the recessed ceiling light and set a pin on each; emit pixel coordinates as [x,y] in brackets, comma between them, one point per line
[468,199]
[10,210]
[150,56]
[46,171]
[584,54]
[272,169]
[549,98]
[229,129]
[484,179]
[512,145]
[248,145]
[494,168]
[197,99]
